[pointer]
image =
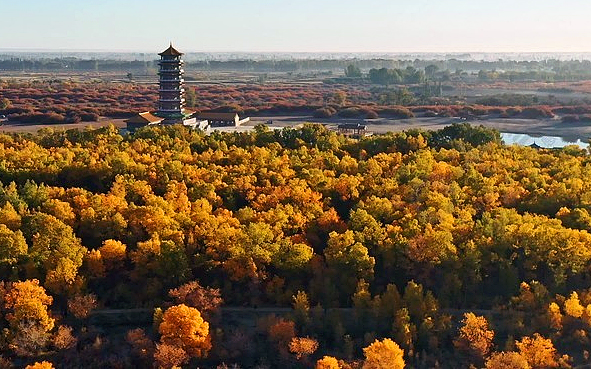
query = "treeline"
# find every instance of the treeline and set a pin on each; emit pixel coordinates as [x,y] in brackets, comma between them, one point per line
[551,69]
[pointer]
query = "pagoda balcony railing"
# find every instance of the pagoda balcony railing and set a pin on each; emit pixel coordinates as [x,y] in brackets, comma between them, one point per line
[172,80]
[180,70]
[171,90]
[172,100]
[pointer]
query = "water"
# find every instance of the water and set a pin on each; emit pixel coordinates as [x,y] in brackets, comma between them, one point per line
[542,141]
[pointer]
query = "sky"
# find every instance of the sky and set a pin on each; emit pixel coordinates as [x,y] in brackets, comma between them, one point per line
[297,25]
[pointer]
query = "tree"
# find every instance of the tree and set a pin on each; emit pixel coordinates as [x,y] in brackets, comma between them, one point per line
[573,307]
[113,253]
[190,97]
[27,302]
[506,360]
[206,300]
[170,356]
[385,354]
[64,278]
[55,249]
[282,332]
[538,351]
[26,306]
[475,337]
[349,260]
[81,305]
[554,316]
[12,245]
[352,71]
[327,362]
[303,347]
[63,338]
[183,327]
[28,338]
[140,343]
[10,217]
[301,308]
[430,70]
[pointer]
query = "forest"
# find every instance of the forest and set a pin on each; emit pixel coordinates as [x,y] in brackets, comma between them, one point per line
[420,249]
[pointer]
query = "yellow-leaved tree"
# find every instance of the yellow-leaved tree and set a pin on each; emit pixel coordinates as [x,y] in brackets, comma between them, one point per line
[475,338]
[26,308]
[538,351]
[385,354]
[507,360]
[27,301]
[182,326]
[327,362]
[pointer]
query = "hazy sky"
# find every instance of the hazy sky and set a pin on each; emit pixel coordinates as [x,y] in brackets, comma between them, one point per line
[299,25]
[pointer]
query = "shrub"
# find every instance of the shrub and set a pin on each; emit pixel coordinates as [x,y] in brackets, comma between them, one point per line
[352,112]
[371,114]
[536,113]
[396,112]
[325,112]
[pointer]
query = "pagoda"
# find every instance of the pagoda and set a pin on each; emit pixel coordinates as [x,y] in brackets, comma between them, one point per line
[171,101]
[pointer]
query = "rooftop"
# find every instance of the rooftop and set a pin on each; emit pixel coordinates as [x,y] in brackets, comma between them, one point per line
[145,118]
[171,51]
[351,126]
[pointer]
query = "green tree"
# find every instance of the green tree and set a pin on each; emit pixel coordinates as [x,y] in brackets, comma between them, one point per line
[352,71]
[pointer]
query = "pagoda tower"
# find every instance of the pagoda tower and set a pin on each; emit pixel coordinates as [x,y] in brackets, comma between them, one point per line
[171,101]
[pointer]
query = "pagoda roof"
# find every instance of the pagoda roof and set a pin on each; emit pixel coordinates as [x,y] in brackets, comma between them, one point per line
[145,118]
[171,51]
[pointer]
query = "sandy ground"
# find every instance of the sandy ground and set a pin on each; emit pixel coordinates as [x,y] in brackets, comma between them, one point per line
[10,127]
[534,127]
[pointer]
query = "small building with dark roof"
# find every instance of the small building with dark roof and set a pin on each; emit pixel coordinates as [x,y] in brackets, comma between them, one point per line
[352,129]
[142,120]
[216,119]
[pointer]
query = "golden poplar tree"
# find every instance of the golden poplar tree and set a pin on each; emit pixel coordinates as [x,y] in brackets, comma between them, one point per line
[182,326]
[385,354]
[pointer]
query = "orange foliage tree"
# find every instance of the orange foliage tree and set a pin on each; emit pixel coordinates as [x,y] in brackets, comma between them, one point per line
[27,301]
[385,354]
[183,327]
[475,337]
[327,362]
[303,346]
[507,360]
[538,351]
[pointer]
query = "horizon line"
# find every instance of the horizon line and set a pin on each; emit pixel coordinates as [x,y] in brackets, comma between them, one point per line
[46,50]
